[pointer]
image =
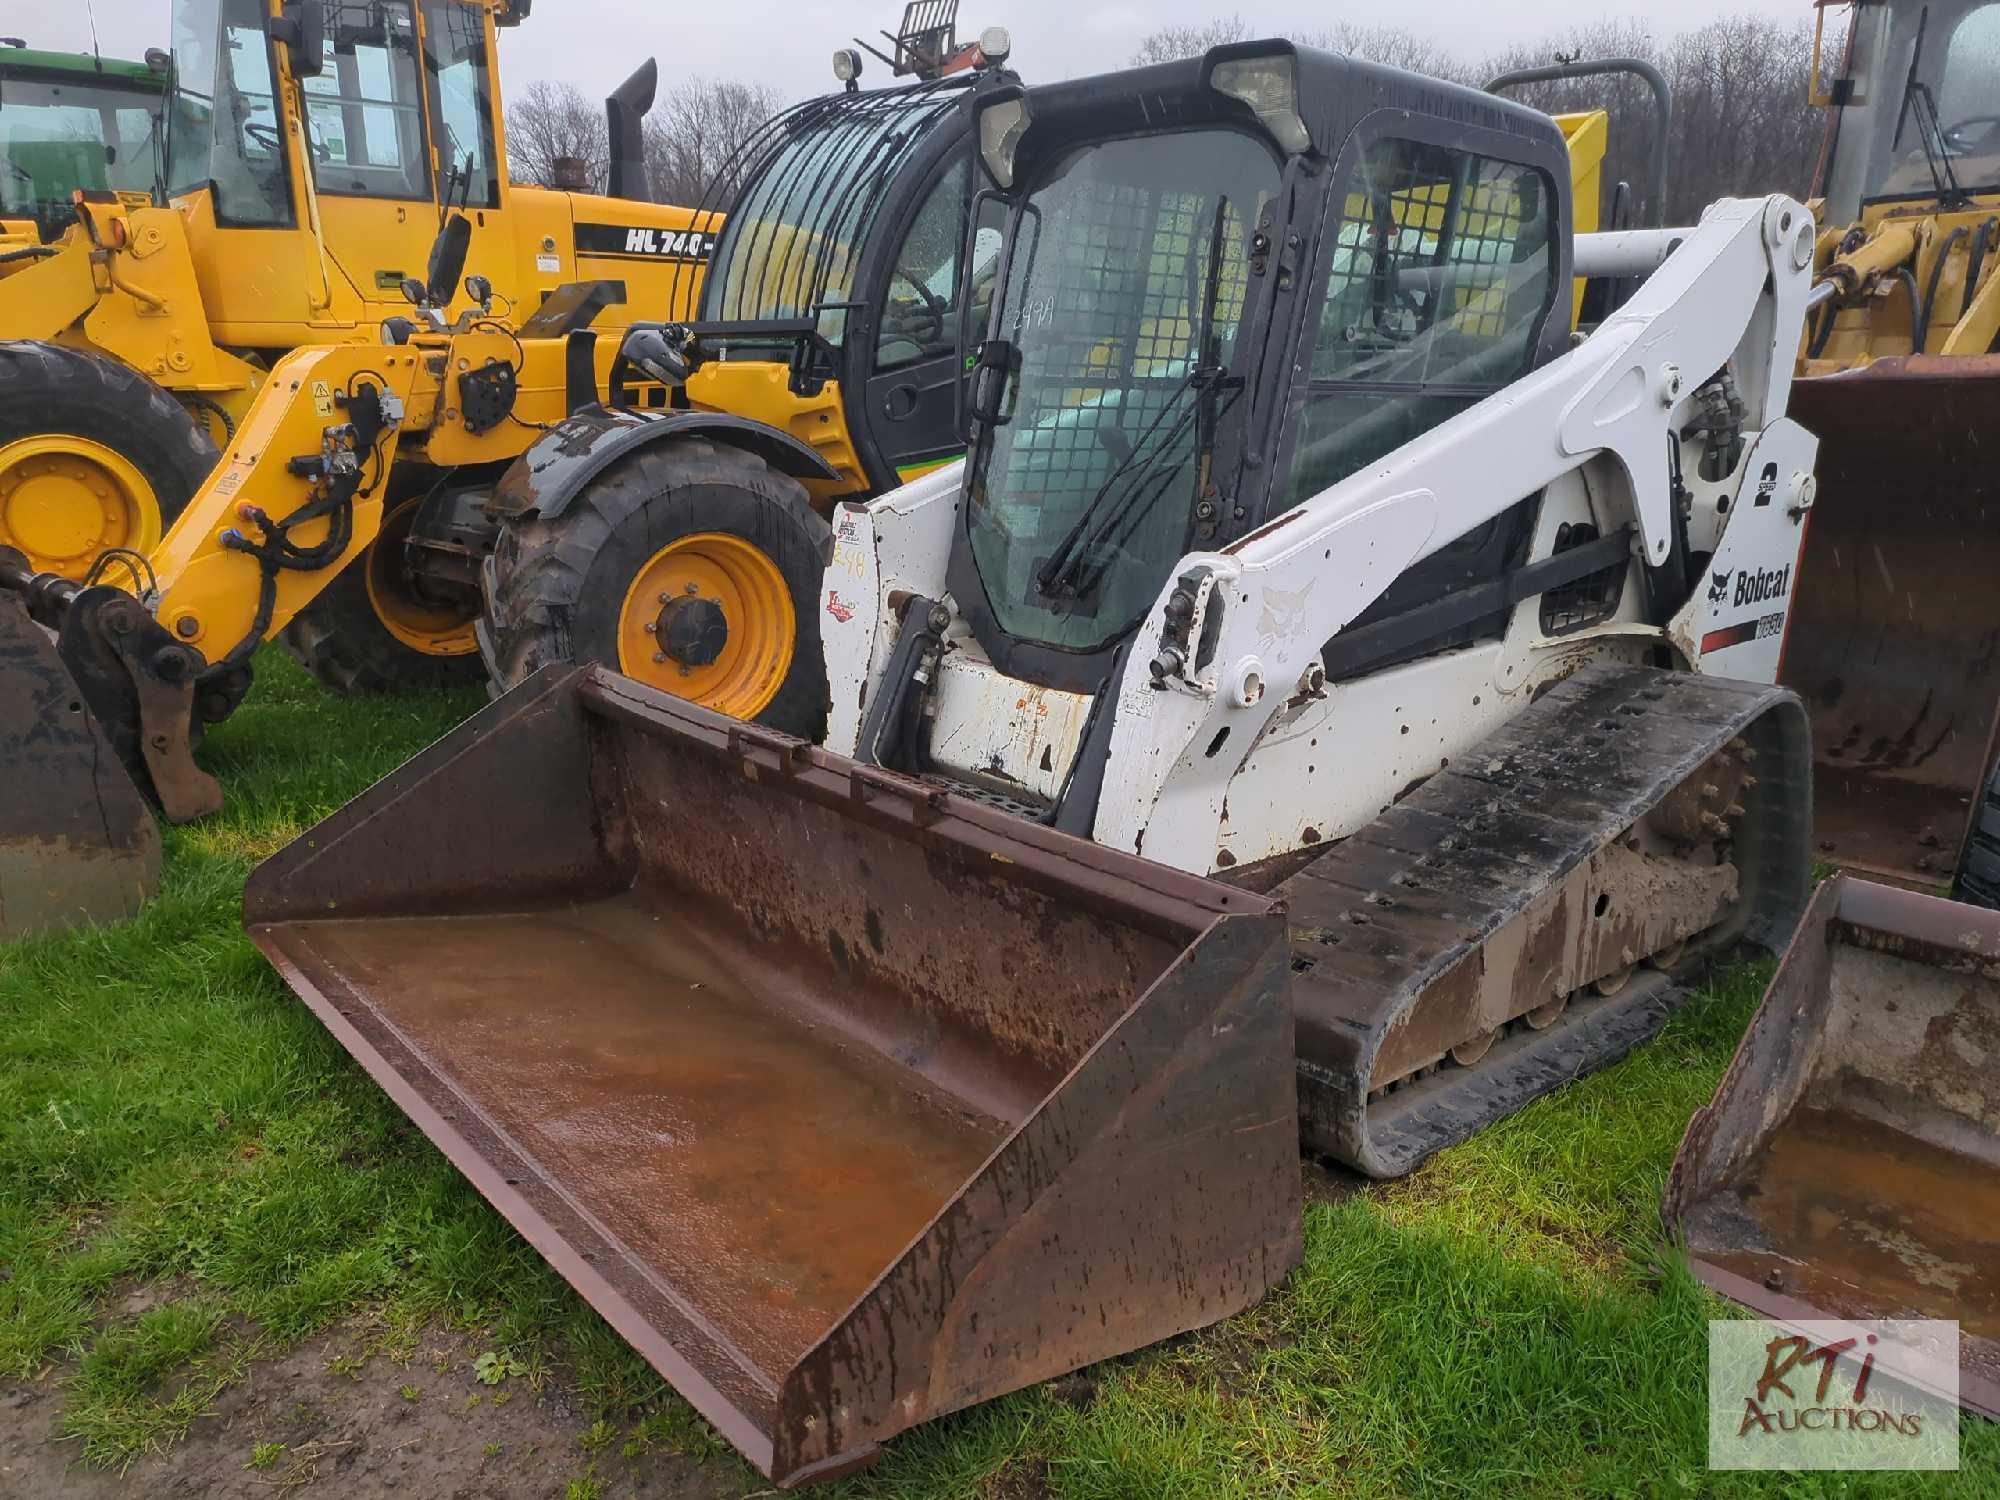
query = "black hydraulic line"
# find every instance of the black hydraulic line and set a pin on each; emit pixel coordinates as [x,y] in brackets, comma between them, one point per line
[1828,316]
[1922,333]
[1663,108]
[1982,240]
[33,252]
[1909,280]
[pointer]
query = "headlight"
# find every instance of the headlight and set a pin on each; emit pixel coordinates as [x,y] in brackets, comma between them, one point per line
[1270,86]
[1001,126]
[846,65]
[996,45]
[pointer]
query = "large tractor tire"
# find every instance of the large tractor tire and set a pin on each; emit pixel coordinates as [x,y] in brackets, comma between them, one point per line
[1979,874]
[693,567]
[372,631]
[93,455]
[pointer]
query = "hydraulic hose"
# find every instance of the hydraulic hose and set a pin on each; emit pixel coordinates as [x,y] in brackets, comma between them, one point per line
[1981,242]
[1921,332]
[1909,280]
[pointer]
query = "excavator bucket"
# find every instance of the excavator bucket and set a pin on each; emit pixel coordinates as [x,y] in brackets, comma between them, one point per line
[1894,640]
[1849,1165]
[847,1101]
[77,842]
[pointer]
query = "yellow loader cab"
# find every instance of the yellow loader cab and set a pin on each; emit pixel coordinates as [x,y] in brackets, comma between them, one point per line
[1895,641]
[309,152]
[683,542]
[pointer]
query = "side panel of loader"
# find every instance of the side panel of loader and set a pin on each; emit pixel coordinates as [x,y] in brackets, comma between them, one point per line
[1894,640]
[847,1102]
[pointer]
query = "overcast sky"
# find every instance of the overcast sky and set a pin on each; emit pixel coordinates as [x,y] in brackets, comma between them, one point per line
[596,43]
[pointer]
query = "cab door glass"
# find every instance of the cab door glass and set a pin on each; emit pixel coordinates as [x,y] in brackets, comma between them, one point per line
[927,279]
[366,120]
[461,101]
[223,130]
[1440,277]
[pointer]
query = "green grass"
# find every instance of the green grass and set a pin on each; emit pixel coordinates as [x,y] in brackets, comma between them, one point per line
[174,1122]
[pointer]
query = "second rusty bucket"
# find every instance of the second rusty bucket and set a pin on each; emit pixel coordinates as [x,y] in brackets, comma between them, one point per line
[848,1102]
[1849,1165]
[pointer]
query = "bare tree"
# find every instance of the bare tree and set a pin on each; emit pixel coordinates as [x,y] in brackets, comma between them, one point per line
[693,134]
[1171,42]
[1741,122]
[1392,46]
[551,124]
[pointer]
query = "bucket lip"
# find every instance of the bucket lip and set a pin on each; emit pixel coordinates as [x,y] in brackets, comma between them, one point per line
[1968,932]
[1192,901]
[1909,367]
[1977,1390]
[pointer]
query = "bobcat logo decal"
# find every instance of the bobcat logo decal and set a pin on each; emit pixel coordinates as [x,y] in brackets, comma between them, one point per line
[1718,586]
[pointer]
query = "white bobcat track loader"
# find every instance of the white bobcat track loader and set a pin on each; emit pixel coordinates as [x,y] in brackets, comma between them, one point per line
[1262,553]
[858,1084]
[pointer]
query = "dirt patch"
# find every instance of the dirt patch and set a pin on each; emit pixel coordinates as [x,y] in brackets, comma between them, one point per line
[324,1419]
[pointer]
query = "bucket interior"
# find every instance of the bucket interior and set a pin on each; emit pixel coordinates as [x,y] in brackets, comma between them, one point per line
[1851,1162]
[1894,640]
[724,1040]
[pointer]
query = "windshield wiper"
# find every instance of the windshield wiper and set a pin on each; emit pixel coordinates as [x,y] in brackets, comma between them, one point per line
[1065,573]
[1918,100]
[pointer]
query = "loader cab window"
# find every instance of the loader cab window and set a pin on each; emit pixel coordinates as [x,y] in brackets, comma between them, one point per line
[366,121]
[791,244]
[70,131]
[1126,284]
[1925,113]
[461,101]
[223,129]
[1439,278]
[929,280]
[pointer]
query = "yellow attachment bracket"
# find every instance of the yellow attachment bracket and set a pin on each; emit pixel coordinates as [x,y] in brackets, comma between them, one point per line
[209,590]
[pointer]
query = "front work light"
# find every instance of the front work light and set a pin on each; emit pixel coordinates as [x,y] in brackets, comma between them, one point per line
[1270,86]
[846,65]
[1001,126]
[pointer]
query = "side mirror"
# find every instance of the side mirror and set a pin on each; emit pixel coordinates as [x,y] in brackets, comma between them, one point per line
[301,31]
[447,265]
[647,350]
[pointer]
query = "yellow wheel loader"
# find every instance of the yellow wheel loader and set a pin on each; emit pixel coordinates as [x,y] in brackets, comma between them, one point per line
[308,153]
[654,499]
[1897,645]
[1299,552]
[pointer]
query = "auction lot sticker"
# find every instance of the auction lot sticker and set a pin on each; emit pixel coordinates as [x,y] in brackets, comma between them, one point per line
[1832,1394]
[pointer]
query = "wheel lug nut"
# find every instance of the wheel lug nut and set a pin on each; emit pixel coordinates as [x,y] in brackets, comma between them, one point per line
[652,626]
[692,588]
[663,598]
[684,669]
[659,656]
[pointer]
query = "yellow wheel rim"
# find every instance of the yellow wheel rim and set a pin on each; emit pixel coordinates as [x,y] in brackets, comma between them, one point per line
[419,623]
[64,499]
[709,619]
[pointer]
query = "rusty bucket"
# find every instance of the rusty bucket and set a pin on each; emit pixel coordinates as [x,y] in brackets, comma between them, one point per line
[846,1101]
[77,843]
[1849,1165]
[1894,639]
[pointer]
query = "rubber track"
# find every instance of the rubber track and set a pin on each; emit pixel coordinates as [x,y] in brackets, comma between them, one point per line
[1437,874]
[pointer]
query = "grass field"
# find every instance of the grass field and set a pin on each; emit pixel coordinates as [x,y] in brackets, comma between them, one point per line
[171,1119]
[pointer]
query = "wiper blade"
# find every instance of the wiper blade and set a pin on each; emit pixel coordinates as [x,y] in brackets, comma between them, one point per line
[1062,573]
[1054,575]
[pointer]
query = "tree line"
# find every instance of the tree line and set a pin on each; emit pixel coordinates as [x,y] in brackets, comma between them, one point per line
[1741,123]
